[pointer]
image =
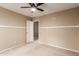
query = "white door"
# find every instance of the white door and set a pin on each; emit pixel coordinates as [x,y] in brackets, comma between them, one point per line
[29,31]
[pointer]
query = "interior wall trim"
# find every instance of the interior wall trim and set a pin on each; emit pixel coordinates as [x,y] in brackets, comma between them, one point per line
[11,26]
[61,27]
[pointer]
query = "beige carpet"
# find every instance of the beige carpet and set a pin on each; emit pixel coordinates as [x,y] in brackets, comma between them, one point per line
[36,49]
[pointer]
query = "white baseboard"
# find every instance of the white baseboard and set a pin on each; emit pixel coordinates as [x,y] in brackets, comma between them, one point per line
[58,47]
[15,46]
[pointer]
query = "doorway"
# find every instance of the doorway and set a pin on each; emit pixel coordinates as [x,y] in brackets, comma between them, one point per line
[36,30]
[32,31]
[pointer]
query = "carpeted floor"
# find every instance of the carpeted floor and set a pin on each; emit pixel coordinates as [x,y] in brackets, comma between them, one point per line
[36,49]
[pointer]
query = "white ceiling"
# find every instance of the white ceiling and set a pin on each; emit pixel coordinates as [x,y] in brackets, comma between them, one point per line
[48,7]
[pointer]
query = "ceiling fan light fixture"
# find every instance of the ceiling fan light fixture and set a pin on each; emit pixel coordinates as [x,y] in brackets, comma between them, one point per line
[33,9]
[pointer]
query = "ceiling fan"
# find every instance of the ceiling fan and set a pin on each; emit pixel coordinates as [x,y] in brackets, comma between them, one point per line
[34,6]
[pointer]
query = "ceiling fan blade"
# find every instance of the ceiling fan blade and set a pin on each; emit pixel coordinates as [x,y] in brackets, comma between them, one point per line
[40,9]
[31,4]
[25,7]
[38,4]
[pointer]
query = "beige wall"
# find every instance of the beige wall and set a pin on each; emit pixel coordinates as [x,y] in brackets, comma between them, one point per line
[12,28]
[61,29]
